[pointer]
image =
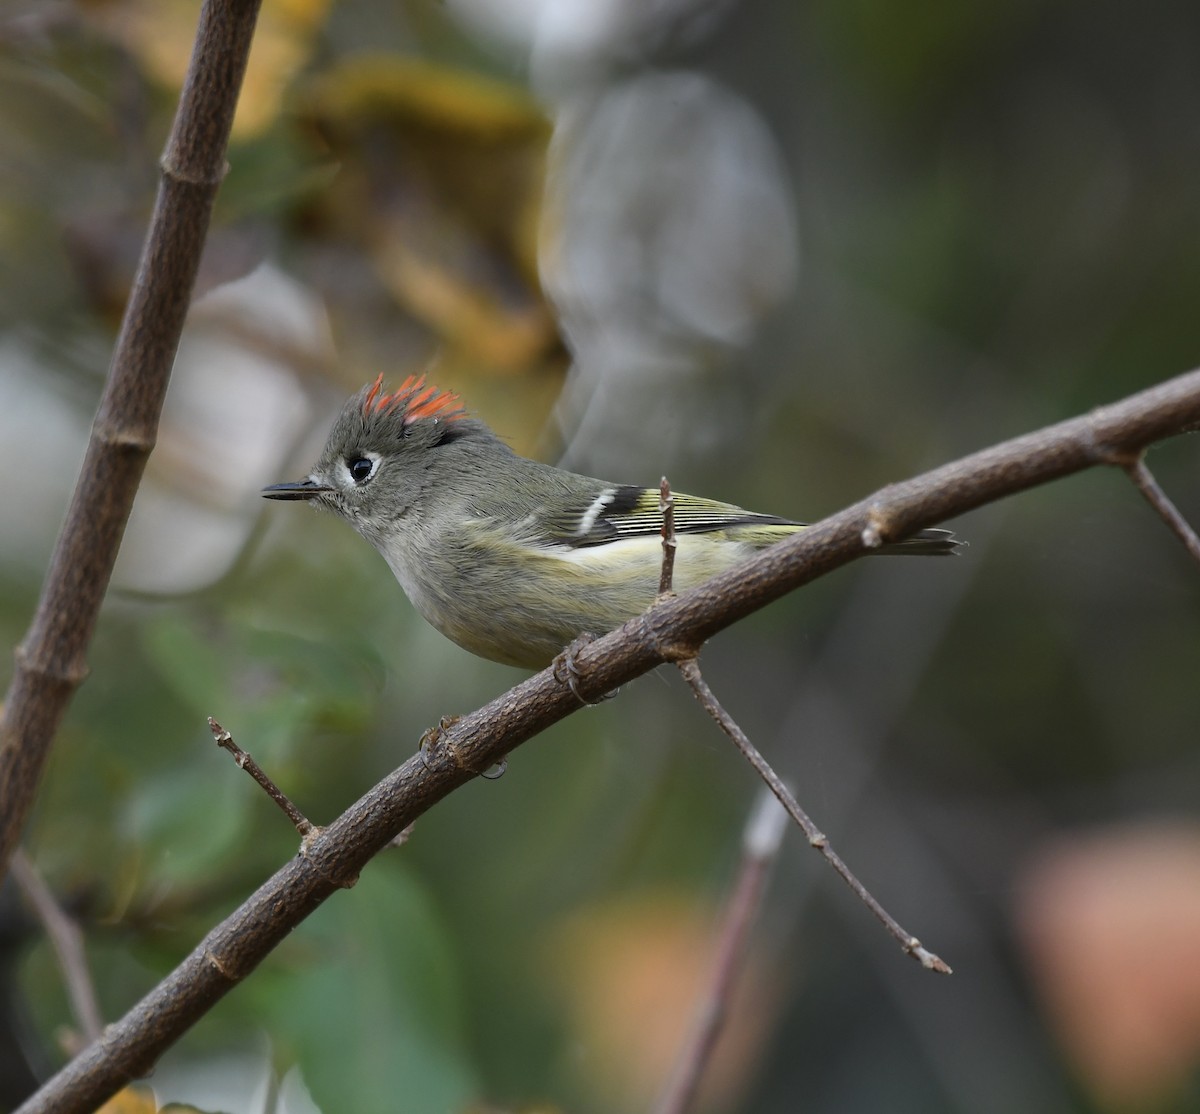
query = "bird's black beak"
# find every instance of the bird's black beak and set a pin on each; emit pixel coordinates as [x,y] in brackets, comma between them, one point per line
[305,489]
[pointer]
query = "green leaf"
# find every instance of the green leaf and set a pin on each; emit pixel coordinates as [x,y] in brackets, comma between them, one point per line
[373,1013]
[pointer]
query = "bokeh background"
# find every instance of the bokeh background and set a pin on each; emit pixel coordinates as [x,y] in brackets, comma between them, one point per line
[782,252]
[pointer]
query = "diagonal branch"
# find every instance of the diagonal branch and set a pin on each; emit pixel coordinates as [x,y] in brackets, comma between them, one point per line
[1143,479]
[52,660]
[66,938]
[670,631]
[761,840]
[690,669]
[816,838]
[225,741]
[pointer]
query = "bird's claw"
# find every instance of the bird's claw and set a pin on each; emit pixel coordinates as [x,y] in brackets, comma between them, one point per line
[566,672]
[434,745]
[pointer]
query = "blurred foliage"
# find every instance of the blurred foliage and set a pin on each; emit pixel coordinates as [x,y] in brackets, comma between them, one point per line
[998,226]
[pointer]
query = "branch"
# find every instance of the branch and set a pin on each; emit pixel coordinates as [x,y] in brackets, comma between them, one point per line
[67,940]
[671,630]
[52,660]
[760,844]
[225,741]
[666,506]
[1143,479]
[816,838]
[690,669]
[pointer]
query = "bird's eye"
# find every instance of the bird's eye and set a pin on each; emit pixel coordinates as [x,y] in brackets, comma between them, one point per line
[361,468]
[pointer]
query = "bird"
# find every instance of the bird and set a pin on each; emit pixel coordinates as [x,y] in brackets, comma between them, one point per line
[512,559]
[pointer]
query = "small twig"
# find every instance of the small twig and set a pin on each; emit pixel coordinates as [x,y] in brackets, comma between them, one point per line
[709,702]
[666,504]
[1143,479]
[67,940]
[760,844]
[224,740]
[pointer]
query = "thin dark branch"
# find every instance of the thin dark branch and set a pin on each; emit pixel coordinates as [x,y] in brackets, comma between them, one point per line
[709,702]
[67,940]
[245,762]
[1145,482]
[51,662]
[690,668]
[670,631]
[760,844]
[666,504]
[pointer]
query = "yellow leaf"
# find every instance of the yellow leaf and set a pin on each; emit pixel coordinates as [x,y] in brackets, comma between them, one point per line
[160,34]
[131,1100]
[394,86]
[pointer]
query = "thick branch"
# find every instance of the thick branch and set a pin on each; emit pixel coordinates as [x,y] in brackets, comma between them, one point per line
[672,629]
[52,660]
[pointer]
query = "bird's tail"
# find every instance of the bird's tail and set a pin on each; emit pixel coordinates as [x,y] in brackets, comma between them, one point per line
[928,543]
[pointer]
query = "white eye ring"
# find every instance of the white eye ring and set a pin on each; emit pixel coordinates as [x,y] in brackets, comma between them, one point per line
[361,467]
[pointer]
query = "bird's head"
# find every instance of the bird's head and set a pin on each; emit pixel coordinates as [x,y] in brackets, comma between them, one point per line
[383,454]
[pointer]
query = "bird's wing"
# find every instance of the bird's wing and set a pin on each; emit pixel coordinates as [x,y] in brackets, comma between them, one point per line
[619,512]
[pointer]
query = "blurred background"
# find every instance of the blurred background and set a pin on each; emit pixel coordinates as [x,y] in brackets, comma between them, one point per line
[784,253]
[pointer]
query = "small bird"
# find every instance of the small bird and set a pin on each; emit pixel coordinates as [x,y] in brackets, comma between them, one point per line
[512,559]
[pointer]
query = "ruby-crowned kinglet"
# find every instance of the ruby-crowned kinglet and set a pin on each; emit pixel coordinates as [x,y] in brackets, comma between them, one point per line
[513,559]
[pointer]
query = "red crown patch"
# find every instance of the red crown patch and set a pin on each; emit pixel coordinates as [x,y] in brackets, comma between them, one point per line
[415,399]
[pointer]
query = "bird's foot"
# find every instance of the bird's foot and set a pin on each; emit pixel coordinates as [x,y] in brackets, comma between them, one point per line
[434,744]
[566,671]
